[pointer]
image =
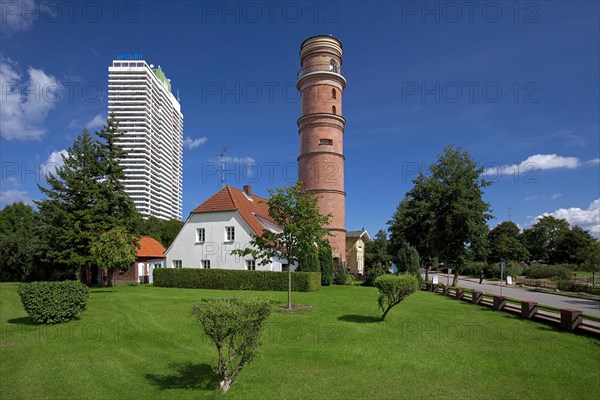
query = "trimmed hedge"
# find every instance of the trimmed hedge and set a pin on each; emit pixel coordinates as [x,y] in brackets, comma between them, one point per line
[53,302]
[235,279]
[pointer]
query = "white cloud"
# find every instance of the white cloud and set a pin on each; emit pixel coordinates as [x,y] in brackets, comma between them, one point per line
[97,122]
[588,219]
[18,15]
[537,162]
[193,143]
[26,102]
[14,196]
[55,160]
[553,196]
[11,180]
[239,160]
[594,161]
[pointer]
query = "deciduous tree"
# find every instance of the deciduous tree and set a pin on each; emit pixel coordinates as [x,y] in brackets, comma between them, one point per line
[114,250]
[234,326]
[296,212]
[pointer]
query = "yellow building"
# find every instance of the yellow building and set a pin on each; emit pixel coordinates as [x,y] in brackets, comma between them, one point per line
[355,251]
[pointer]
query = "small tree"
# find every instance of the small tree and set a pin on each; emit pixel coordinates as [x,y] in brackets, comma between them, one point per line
[234,326]
[114,250]
[393,289]
[372,272]
[295,210]
[339,275]
[308,258]
[408,259]
[326,262]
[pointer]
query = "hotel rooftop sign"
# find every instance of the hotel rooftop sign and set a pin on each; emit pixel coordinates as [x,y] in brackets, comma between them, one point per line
[129,56]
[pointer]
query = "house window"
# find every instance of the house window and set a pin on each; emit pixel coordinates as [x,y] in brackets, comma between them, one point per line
[200,235]
[251,265]
[205,264]
[229,233]
[327,142]
[177,264]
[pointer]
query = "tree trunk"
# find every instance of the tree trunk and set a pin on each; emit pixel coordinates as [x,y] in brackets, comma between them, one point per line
[455,278]
[426,273]
[112,279]
[289,287]
[224,385]
[385,312]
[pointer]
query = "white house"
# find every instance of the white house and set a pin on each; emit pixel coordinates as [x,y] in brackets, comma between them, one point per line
[226,221]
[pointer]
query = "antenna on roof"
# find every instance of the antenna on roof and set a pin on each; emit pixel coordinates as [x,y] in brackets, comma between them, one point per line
[222,156]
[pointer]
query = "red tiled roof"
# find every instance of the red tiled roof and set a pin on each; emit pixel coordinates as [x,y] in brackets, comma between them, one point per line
[232,199]
[150,247]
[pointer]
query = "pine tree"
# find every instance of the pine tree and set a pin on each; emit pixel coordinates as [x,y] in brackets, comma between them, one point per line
[71,213]
[118,207]
[84,199]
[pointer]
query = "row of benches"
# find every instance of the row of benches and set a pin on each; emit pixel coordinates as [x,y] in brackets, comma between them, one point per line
[570,320]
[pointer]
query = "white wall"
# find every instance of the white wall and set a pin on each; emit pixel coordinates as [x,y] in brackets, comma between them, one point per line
[215,248]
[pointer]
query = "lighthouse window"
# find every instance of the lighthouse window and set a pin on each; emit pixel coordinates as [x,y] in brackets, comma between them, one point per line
[333,110]
[333,94]
[328,142]
[333,66]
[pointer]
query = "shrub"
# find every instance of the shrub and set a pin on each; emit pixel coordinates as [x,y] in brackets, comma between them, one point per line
[231,279]
[326,262]
[350,279]
[308,258]
[554,272]
[234,325]
[473,268]
[53,302]
[393,289]
[578,287]
[373,271]
[493,270]
[339,276]
[408,259]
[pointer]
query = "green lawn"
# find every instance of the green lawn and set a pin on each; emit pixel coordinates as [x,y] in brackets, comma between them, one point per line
[143,343]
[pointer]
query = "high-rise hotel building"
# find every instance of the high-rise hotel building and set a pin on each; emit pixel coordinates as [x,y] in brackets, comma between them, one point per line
[151,123]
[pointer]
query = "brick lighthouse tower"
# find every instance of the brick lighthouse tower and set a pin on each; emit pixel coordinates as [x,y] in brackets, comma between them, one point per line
[321,129]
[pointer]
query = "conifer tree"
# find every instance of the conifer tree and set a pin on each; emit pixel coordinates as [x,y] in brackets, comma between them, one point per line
[84,198]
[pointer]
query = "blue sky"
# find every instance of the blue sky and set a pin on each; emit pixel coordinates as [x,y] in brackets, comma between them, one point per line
[516,84]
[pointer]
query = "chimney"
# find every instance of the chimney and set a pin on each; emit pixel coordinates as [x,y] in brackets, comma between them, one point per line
[248,190]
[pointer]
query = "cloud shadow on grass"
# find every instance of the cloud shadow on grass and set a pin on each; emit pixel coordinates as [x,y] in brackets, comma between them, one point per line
[186,376]
[359,319]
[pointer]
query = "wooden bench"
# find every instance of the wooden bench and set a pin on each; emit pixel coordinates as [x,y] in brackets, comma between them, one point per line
[476,297]
[570,319]
[528,309]
[499,302]
[459,292]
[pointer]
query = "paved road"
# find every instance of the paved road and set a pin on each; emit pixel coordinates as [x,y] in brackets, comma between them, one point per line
[591,307]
